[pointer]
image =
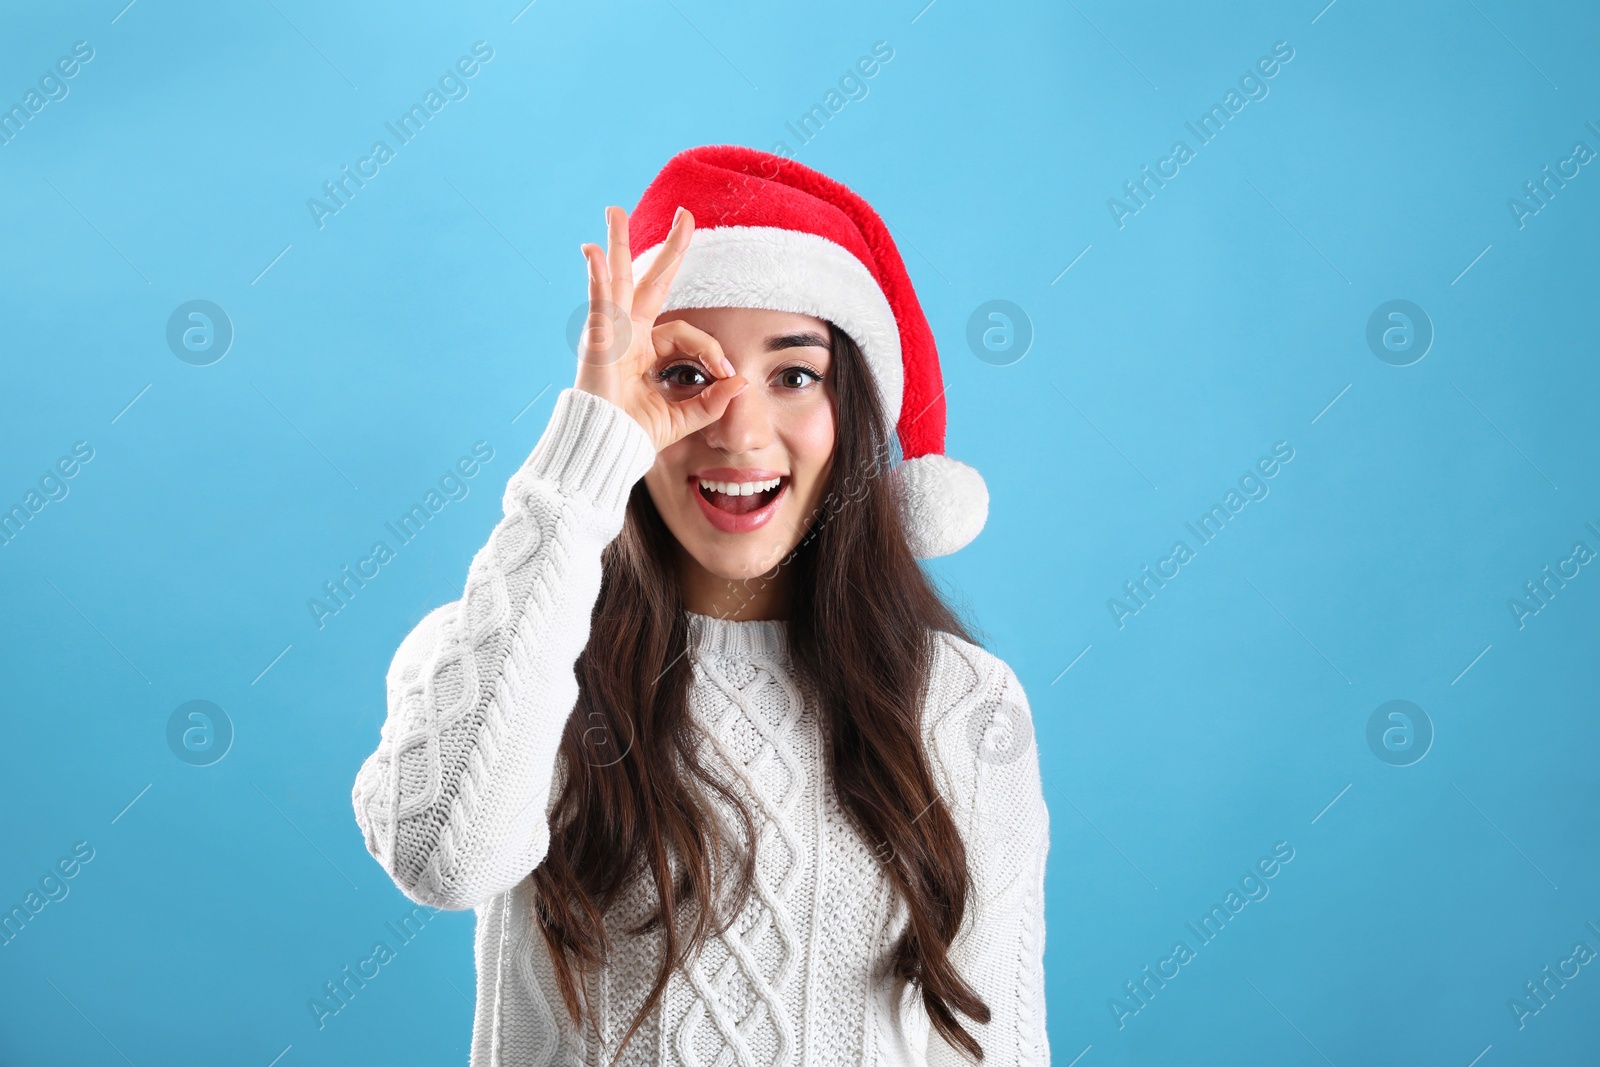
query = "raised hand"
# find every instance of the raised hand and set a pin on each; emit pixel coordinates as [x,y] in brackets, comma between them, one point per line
[620,345]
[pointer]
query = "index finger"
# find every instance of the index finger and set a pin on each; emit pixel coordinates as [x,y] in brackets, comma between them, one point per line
[656,280]
[678,336]
[620,260]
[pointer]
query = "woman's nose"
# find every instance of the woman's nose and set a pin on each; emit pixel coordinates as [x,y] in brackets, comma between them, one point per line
[745,426]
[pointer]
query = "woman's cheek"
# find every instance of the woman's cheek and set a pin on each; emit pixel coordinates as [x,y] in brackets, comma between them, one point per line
[665,481]
[811,438]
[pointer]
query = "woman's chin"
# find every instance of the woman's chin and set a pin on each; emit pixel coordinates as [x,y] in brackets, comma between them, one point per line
[740,562]
[738,556]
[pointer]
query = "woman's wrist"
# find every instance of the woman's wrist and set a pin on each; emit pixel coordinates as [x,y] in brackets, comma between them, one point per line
[593,449]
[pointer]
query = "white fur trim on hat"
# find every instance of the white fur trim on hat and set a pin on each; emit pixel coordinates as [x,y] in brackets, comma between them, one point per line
[946,503]
[789,270]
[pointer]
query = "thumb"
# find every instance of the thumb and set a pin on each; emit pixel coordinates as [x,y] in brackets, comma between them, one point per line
[707,406]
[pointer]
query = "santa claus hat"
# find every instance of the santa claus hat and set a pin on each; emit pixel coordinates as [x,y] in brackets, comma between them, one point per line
[772,233]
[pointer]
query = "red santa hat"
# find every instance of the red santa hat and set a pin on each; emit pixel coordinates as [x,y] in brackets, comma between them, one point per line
[773,233]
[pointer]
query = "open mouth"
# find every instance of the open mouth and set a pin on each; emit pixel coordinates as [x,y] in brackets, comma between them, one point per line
[739,507]
[740,498]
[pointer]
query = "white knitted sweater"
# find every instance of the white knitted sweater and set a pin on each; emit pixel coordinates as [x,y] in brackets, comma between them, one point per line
[455,801]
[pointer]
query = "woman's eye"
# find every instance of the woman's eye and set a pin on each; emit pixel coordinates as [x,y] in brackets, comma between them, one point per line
[798,377]
[683,376]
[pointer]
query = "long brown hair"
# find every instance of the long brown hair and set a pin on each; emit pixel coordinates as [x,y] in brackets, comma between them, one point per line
[635,798]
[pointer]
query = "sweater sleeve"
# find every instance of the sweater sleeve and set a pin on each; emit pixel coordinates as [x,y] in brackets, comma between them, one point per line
[455,801]
[1000,947]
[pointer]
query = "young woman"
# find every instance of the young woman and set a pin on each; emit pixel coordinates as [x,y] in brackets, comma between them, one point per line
[725,780]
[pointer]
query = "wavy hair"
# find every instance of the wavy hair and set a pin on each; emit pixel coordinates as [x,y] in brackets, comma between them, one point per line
[646,811]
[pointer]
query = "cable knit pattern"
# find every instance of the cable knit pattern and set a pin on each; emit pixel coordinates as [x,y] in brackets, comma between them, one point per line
[456,800]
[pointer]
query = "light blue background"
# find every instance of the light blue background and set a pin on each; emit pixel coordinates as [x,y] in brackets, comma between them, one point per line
[1227,315]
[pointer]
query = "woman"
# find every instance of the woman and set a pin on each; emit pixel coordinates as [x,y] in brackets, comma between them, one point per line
[698,662]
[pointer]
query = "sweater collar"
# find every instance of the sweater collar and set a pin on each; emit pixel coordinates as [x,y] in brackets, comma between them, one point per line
[757,638]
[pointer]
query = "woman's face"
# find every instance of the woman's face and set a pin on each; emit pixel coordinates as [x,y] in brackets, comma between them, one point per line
[739,494]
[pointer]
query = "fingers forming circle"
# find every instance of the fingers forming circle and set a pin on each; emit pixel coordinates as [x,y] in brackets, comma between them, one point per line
[675,335]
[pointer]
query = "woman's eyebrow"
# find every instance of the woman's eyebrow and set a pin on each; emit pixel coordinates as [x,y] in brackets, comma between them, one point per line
[796,340]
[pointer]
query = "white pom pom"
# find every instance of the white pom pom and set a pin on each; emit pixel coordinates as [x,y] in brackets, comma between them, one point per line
[946,504]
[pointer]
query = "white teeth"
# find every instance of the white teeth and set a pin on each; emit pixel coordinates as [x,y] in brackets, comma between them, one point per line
[740,488]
